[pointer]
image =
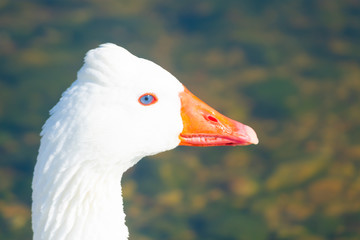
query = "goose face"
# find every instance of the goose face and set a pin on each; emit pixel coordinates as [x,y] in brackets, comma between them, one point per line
[143,107]
[135,105]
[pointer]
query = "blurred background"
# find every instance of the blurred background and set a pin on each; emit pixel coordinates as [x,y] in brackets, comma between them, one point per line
[289,69]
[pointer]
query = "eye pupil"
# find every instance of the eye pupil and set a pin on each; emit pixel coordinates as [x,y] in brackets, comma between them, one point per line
[147,99]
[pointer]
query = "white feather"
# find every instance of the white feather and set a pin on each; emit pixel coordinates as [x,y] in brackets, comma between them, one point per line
[96,132]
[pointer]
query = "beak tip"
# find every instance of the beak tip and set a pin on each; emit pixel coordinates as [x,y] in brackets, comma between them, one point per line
[253,139]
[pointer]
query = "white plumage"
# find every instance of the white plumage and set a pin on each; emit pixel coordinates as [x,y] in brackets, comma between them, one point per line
[95,133]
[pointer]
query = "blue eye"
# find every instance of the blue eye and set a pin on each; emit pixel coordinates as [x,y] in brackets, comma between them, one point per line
[147,99]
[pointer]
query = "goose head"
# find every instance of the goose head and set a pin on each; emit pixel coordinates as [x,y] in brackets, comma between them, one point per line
[135,108]
[121,108]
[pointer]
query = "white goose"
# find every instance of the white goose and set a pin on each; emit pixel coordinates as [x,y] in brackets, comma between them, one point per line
[120,109]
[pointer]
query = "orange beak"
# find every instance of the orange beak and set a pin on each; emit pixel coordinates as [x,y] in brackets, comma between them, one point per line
[204,126]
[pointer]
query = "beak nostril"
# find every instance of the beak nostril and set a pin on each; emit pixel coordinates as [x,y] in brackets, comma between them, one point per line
[212,118]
